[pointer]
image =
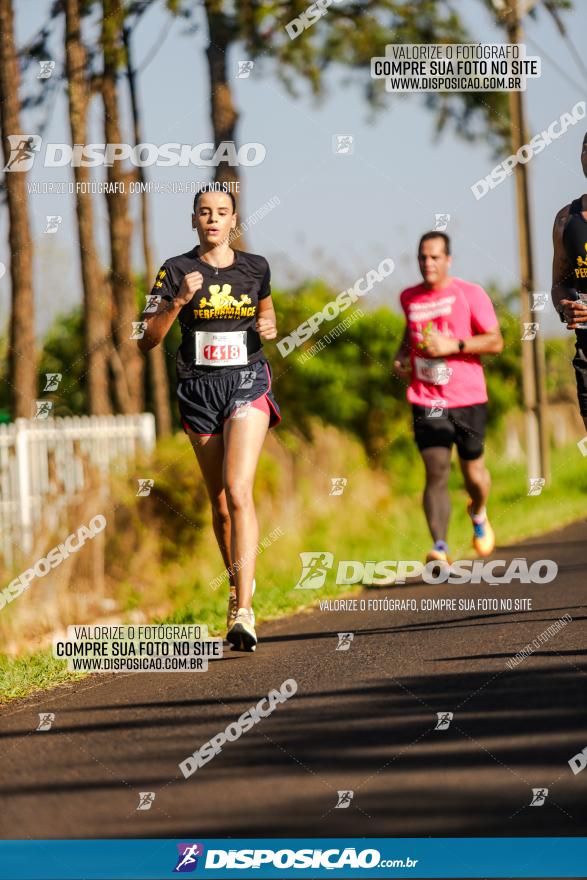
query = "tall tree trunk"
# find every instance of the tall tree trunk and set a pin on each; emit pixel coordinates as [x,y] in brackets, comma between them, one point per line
[223,111]
[157,367]
[21,349]
[120,225]
[97,297]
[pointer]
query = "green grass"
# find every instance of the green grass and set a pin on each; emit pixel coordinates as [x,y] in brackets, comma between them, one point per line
[386,522]
[24,675]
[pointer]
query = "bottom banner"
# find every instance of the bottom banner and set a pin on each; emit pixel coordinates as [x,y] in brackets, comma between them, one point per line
[378,857]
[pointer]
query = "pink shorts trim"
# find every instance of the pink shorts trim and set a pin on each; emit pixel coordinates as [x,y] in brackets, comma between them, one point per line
[261,403]
[268,403]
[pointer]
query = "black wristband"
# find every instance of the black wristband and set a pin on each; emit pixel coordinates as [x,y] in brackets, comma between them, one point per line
[461,345]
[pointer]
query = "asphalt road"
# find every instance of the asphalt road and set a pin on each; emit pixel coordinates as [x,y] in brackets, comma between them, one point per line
[362,720]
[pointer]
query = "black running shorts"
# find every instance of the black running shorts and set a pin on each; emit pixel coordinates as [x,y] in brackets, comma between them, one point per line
[580,365]
[209,399]
[463,425]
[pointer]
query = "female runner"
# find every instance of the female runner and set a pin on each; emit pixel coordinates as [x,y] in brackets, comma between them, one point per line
[222,300]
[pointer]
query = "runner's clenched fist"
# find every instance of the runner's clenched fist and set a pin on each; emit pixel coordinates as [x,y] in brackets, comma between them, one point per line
[192,282]
[266,327]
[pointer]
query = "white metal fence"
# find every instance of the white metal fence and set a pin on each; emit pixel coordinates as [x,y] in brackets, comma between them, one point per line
[44,464]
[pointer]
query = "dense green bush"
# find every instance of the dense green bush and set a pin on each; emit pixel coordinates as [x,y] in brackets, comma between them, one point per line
[349,383]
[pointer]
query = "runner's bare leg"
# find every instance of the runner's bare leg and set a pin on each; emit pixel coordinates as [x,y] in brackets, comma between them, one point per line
[210,454]
[243,441]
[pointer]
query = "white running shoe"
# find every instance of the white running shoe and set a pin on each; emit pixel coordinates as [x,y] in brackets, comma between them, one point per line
[242,635]
[233,607]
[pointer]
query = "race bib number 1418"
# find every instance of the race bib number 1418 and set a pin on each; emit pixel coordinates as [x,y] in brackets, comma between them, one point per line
[221,349]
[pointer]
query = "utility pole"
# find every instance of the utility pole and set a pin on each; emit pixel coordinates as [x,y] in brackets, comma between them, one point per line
[533,362]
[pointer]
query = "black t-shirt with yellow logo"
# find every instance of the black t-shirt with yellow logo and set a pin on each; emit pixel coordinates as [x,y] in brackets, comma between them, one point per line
[575,244]
[228,300]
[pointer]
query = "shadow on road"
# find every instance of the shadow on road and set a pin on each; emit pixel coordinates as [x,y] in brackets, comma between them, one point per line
[509,733]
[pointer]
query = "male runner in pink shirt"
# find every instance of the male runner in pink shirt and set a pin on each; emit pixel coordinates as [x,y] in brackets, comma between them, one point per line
[450,322]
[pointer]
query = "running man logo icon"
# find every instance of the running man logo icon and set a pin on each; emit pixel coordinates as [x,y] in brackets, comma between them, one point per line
[343,144]
[145,487]
[246,378]
[530,331]
[47,68]
[539,795]
[437,408]
[138,329]
[539,300]
[314,568]
[244,69]
[582,444]
[189,853]
[444,719]
[22,151]
[338,485]
[46,719]
[146,799]
[344,799]
[53,223]
[52,381]
[441,222]
[151,302]
[536,485]
[444,374]
[344,641]
[43,408]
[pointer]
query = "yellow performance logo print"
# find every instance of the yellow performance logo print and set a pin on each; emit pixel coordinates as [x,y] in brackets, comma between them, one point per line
[221,298]
[222,304]
[160,276]
[582,262]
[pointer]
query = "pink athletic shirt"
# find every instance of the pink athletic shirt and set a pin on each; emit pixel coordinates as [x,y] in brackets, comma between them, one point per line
[460,310]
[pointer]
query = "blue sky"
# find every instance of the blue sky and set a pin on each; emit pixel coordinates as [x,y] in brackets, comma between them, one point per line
[338,215]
